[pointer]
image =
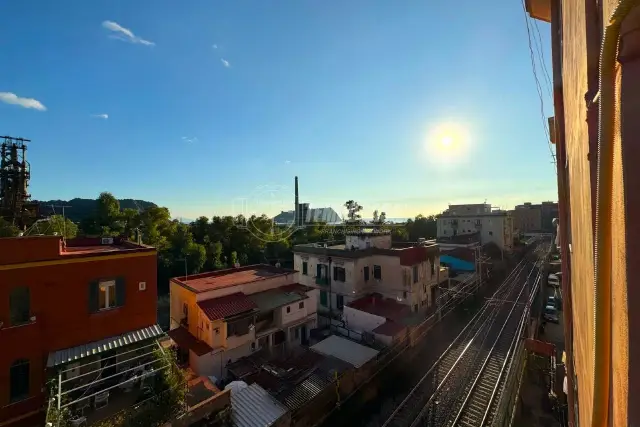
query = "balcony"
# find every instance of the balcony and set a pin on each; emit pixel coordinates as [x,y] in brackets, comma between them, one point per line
[322,281]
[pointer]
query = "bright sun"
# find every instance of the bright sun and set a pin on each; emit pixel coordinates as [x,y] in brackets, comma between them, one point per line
[447,141]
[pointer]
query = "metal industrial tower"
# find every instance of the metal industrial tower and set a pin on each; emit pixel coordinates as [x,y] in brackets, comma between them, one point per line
[15,173]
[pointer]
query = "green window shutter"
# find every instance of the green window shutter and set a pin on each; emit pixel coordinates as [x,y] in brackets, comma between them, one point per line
[93,296]
[323,298]
[121,290]
[318,270]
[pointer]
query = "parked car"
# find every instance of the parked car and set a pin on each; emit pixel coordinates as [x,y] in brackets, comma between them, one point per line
[551,314]
[553,280]
[555,301]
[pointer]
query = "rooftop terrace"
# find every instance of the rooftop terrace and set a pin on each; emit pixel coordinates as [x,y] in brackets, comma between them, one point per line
[219,279]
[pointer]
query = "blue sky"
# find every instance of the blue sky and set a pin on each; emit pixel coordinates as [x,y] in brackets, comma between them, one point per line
[214,106]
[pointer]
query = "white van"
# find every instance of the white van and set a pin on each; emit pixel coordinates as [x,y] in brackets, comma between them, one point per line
[553,280]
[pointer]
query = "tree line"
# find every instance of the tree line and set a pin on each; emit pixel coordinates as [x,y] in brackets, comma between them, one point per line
[209,243]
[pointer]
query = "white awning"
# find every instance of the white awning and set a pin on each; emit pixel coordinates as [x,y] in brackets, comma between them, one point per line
[67,355]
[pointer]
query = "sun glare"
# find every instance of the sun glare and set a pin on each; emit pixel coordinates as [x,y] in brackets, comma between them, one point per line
[448,141]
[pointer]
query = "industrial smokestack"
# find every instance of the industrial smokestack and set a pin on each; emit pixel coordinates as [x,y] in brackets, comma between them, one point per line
[296,215]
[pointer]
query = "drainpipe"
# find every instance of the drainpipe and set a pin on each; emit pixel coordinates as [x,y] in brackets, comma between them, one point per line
[563,205]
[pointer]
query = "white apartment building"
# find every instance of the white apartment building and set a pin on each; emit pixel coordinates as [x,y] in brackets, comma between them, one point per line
[221,316]
[368,263]
[491,225]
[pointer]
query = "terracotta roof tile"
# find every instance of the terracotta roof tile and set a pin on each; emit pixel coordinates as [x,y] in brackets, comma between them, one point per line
[227,306]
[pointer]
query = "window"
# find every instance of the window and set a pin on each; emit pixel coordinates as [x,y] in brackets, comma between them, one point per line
[305,268]
[323,298]
[415,274]
[19,380]
[19,306]
[239,327]
[301,305]
[433,269]
[415,307]
[404,295]
[491,233]
[339,274]
[377,272]
[366,273]
[339,302]
[296,333]
[424,288]
[289,309]
[106,294]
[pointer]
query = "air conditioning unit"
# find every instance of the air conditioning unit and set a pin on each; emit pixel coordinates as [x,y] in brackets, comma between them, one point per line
[142,286]
[107,240]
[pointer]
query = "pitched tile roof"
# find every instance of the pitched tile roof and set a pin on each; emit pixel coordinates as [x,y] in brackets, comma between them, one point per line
[227,306]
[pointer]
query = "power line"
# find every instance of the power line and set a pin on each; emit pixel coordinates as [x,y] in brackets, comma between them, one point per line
[538,86]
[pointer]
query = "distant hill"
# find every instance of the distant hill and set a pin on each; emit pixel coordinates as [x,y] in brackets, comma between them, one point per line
[78,209]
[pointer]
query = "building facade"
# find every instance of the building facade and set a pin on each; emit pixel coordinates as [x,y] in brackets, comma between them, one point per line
[527,218]
[367,263]
[219,317]
[599,343]
[59,297]
[495,226]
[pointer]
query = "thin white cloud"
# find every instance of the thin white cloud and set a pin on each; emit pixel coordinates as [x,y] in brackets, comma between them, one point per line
[189,140]
[286,162]
[12,98]
[125,34]
[100,116]
[215,46]
[225,62]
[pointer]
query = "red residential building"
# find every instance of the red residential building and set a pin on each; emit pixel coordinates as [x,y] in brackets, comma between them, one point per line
[66,303]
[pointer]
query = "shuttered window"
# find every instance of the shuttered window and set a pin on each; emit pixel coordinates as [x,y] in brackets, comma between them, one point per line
[20,305]
[19,380]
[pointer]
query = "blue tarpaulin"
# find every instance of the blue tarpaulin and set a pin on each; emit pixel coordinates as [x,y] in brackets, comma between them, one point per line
[456,264]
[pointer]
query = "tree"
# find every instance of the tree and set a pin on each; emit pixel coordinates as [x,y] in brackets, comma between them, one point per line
[354,211]
[383,218]
[7,229]
[375,216]
[61,226]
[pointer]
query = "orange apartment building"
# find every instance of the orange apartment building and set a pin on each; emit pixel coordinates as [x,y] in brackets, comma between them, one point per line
[63,303]
[221,316]
[596,131]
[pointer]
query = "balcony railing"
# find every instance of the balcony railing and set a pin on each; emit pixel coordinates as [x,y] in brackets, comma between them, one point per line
[323,281]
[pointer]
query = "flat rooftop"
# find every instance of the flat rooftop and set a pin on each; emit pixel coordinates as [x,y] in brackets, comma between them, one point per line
[219,279]
[383,307]
[24,249]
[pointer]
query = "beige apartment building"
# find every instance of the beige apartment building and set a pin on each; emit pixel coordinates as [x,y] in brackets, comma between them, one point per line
[368,263]
[221,316]
[483,221]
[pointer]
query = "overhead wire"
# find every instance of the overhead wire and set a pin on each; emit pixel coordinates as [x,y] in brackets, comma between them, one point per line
[538,85]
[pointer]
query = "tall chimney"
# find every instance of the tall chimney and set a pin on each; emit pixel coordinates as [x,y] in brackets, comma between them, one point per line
[297,206]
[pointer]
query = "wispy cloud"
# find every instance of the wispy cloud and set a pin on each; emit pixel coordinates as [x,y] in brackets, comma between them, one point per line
[286,162]
[12,98]
[189,140]
[100,116]
[225,62]
[125,34]
[215,46]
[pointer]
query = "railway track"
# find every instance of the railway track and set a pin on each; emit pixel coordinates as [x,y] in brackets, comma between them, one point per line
[485,390]
[428,400]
